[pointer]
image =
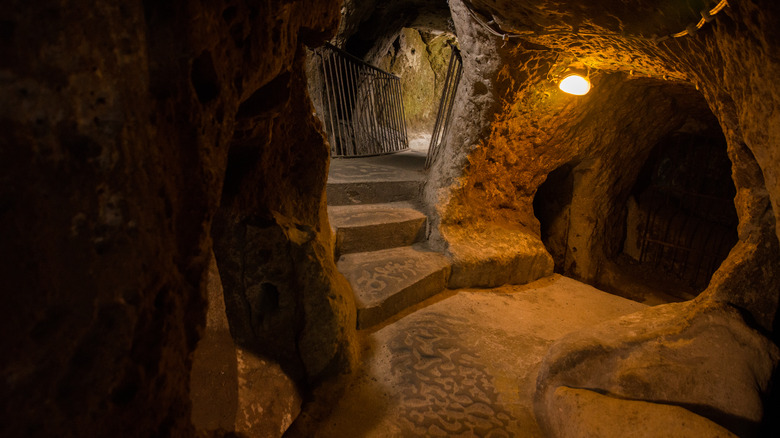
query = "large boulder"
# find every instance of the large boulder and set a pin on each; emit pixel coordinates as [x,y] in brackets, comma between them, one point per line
[699,355]
[585,413]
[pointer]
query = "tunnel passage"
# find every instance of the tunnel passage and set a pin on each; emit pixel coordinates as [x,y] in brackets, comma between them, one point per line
[681,220]
[552,206]
[420,58]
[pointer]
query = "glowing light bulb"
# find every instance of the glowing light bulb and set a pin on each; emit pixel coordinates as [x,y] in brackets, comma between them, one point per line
[575,84]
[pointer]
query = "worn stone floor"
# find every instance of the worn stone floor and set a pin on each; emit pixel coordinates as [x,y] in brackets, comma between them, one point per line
[464,363]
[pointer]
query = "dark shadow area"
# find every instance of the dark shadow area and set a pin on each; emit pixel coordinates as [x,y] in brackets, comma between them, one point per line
[681,220]
[552,206]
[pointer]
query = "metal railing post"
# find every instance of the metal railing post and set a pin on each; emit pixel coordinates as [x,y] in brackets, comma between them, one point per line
[444,114]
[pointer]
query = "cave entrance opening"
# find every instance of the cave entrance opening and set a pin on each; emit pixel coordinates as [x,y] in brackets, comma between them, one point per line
[552,206]
[422,59]
[681,221]
[678,221]
[363,110]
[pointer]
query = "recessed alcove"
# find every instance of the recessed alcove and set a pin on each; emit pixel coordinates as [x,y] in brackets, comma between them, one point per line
[681,220]
[653,213]
[552,205]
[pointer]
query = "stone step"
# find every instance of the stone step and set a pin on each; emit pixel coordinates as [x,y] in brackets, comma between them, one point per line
[388,281]
[371,227]
[375,180]
[372,192]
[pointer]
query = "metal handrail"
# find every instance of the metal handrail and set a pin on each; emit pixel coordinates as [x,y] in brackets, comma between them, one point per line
[364,113]
[446,103]
[357,60]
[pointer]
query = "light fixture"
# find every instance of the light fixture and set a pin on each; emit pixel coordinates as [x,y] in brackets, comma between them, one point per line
[575,84]
[572,76]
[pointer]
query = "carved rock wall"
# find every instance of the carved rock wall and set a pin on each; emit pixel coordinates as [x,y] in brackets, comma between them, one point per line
[420,60]
[642,91]
[118,120]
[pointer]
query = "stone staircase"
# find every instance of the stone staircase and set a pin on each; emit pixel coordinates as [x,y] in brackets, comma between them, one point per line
[380,234]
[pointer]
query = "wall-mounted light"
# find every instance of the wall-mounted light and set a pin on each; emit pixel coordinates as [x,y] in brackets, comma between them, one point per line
[575,84]
[575,81]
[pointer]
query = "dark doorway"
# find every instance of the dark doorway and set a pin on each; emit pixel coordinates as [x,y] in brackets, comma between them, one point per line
[681,220]
[552,206]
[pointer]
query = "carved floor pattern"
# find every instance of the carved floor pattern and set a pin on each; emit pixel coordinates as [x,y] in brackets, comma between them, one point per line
[446,391]
[466,364]
[373,282]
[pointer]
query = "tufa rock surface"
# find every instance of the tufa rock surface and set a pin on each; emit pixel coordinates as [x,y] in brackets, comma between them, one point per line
[232,389]
[585,413]
[698,355]
[122,123]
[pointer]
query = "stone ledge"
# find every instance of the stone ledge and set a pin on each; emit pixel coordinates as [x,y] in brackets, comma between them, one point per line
[493,256]
[372,227]
[388,281]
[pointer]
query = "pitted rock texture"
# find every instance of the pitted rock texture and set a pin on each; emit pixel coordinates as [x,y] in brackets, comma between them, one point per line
[420,59]
[117,122]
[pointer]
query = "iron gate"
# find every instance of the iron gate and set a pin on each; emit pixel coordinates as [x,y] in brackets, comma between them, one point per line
[364,112]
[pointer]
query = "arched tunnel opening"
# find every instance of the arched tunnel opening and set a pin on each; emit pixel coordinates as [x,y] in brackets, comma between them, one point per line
[552,205]
[420,57]
[412,42]
[668,222]
[681,220]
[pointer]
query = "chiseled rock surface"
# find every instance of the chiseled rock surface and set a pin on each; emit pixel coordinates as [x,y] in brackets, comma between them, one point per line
[582,413]
[466,364]
[696,354]
[122,125]
[493,256]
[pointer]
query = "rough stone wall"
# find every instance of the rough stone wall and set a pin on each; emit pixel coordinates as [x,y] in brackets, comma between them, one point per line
[284,296]
[506,152]
[476,104]
[421,61]
[117,123]
[731,63]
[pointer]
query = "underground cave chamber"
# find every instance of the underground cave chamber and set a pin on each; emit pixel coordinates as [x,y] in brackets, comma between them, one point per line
[165,188]
[675,227]
[671,217]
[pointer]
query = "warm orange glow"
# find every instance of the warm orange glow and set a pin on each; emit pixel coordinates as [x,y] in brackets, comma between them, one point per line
[575,84]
